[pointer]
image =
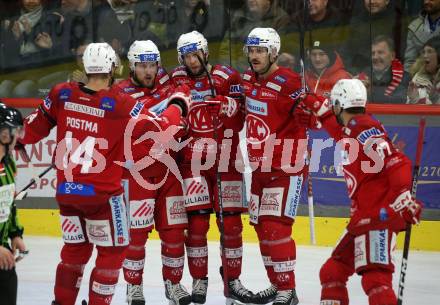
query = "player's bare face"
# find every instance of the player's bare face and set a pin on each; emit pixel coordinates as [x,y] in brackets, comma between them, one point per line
[430,57]
[259,59]
[192,62]
[146,73]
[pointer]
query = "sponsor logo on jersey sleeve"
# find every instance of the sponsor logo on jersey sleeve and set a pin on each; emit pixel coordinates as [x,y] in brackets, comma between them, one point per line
[198,85]
[47,103]
[163,79]
[72,188]
[227,69]
[199,96]
[295,95]
[72,230]
[107,104]
[136,110]
[235,89]
[254,92]
[159,108]
[256,107]
[369,133]
[246,77]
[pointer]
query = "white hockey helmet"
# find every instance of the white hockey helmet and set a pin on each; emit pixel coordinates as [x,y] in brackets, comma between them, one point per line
[189,43]
[263,37]
[349,93]
[99,58]
[143,51]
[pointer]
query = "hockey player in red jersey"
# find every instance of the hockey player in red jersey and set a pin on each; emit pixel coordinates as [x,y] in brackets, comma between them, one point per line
[91,121]
[378,179]
[277,148]
[201,192]
[149,83]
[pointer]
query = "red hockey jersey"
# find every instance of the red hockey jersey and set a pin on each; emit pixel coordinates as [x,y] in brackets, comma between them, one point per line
[375,172]
[227,82]
[91,128]
[276,137]
[155,100]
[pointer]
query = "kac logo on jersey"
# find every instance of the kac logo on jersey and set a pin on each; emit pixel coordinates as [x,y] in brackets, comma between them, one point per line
[280,79]
[65,94]
[295,95]
[134,113]
[254,92]
[366,134]
[257,130]
[107,104]
[73,188]
[198,85]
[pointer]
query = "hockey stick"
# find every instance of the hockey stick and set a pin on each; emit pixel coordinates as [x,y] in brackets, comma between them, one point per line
[219,187]
[23,192]
[403,268]
[310,204]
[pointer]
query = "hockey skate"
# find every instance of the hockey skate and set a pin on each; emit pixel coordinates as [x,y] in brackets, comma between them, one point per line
[135,294]
[176,293]
[265,296]
[199,290]
[237,293]
[286,297]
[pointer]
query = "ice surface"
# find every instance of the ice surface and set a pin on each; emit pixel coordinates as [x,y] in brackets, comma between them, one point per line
[37,272]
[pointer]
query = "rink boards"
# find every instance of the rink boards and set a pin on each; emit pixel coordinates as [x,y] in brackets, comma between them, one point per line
[328,229]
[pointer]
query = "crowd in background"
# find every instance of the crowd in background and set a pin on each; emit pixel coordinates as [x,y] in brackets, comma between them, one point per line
[393,46]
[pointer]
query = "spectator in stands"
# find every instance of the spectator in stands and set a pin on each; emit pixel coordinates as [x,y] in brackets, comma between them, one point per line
[424,87]
[203,16]
[287,60]
[120,22]
[78,24]
[325,69]
[322,23]
[30,36]
[374,18]
[423,28]
[389,80]
[256,13]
